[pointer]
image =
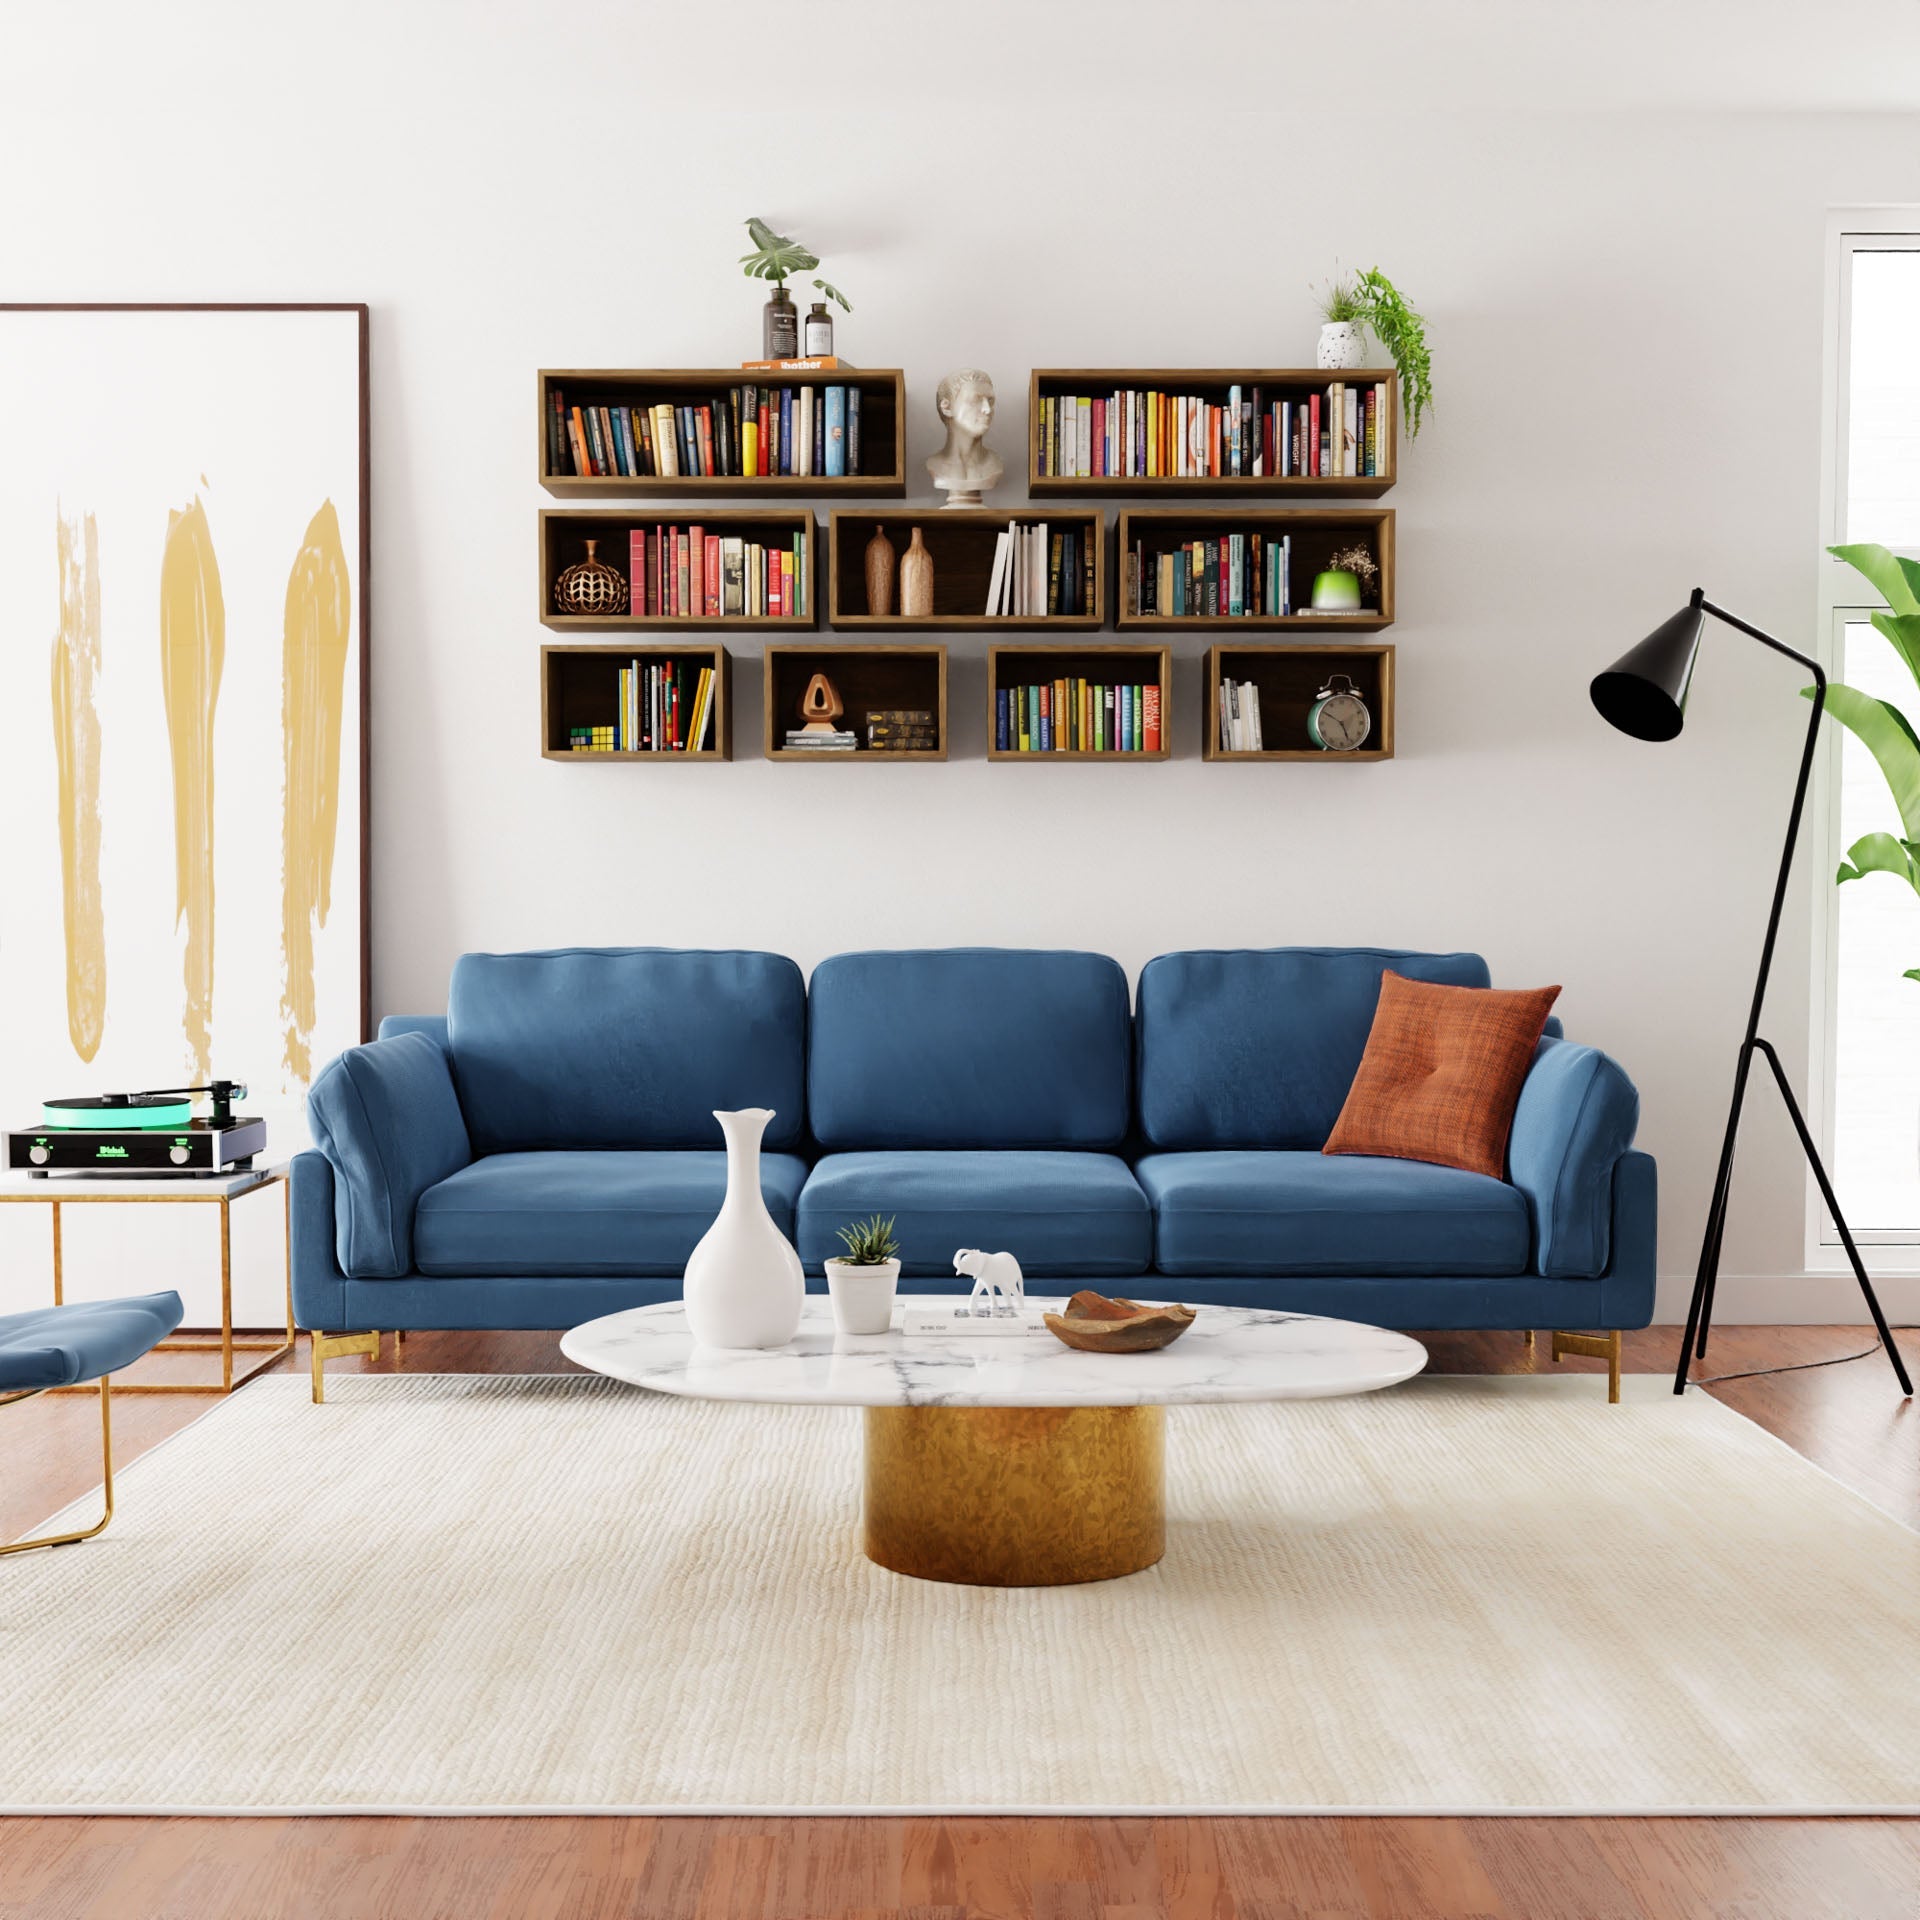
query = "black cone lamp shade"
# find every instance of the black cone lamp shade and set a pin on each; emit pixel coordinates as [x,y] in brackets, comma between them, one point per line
[1644,692]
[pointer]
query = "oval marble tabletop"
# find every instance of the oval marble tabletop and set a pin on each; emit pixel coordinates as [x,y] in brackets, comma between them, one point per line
[1229,1353]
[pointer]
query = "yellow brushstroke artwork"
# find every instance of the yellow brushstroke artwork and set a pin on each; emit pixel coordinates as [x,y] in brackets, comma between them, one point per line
[313,688]
[76,745]
[193,645]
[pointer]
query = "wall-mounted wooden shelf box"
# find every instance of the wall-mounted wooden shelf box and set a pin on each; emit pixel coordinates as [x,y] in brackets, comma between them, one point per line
[883,429]
[867,679]
[962,542]
[1314,533]
[1212,385]
[1013,668]
[580,687]
[1289,679]
[565,531]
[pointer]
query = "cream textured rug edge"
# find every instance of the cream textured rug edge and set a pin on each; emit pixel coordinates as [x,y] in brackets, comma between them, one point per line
[540,1594]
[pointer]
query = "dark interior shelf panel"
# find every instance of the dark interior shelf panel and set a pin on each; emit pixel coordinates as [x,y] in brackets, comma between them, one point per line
[962,543]
[866,678]
[580,687]
[1289,679]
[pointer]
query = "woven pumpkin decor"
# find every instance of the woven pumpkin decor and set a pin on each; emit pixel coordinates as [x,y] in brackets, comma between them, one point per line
[590,586]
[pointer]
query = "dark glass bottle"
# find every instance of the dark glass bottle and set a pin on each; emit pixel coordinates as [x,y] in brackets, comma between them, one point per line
[780,327]
[819,332]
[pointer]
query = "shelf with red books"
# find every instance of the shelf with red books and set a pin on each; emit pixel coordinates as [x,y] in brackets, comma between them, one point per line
[1169,431]
[1287,682]
[588,713]
[871,684]
[1188,567]
[711,563]
[1024,561]
[602,432]
[1109,703]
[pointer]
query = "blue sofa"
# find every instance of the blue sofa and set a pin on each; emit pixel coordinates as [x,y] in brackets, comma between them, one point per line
[546,1152]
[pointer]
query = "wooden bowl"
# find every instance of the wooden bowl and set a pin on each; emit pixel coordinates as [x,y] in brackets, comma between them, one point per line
[1095,1324]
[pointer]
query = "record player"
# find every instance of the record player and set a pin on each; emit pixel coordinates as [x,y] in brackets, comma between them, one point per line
[141,1133]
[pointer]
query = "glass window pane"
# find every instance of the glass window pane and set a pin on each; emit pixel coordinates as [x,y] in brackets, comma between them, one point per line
[1883,399]
[1876,1161]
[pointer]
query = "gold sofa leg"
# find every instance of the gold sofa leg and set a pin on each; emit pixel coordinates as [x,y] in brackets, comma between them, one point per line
[330,1346]
[1529,1339]
[106,1475]
[1594,1346]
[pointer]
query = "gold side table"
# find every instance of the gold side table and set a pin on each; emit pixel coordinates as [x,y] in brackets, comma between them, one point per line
[58,1191]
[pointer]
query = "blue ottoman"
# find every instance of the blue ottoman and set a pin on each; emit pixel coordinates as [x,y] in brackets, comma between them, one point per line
[63,1346]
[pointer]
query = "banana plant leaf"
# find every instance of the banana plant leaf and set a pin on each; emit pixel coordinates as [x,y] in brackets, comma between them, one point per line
[1882,853]
[1901,631]
[1884,731]
[1896,580]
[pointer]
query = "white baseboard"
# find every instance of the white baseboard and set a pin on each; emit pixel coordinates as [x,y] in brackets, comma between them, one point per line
[1796,1299]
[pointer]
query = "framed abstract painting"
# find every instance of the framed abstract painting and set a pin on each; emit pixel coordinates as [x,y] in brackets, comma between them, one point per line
[183,684]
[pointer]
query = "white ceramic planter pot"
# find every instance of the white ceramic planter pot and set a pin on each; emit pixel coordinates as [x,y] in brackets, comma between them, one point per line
[1342,343]
[862,1296]
[744,1285]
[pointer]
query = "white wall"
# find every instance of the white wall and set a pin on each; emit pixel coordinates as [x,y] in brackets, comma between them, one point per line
[1625,314]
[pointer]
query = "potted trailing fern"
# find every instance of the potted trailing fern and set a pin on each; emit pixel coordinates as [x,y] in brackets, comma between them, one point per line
[1363,303]
[861,1281]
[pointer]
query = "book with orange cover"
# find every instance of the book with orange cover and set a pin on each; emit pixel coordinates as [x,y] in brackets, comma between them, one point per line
[821,363]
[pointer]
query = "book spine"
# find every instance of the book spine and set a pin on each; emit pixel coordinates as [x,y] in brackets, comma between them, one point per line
[853,431]
[836,443]
[558,463]
[1150,719]
[1002,720]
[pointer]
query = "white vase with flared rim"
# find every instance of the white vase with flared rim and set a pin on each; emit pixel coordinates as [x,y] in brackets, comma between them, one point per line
[1342,344]
[744,1286]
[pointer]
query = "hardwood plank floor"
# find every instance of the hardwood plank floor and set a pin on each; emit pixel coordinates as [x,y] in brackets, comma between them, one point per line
[1849,1420]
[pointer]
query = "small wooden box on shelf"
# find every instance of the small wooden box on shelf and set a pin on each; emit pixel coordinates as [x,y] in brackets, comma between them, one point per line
[565,531]
[962,542]
[1290,679]
[1013,668]
[1263,388]
[1312,535]
[867,679]
[883,429]
[580,688]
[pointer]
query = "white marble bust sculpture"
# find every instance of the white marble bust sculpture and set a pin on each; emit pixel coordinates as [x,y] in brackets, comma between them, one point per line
[966,467]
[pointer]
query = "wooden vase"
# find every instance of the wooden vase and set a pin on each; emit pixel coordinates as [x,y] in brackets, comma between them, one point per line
[916,577]
[880,573]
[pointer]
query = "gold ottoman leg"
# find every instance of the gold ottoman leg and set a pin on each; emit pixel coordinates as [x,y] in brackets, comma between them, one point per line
[1016,1496]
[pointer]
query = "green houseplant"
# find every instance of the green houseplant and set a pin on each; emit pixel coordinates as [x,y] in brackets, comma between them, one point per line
[1880,726]
[861,1281]
[773,258]
[1371,301]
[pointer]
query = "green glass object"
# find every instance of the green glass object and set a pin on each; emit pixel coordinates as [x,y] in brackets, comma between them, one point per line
[1336,591]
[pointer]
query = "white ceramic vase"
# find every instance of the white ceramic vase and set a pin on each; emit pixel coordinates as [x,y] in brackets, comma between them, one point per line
[1341,343]
[744,1286]
[862,1295]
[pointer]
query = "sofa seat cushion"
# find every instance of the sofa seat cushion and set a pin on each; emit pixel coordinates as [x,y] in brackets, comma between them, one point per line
[1257,1214]
[585,1213]
[1056,1213]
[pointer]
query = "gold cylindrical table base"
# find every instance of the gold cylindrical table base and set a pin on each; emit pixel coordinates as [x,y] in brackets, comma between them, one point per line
[1016,1496]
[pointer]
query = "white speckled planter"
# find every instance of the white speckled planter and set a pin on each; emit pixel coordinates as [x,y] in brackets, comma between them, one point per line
[1341,343]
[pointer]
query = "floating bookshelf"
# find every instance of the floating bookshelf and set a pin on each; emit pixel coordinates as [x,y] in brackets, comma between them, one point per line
[565,531]
[580,687]
[866,678]
[1213,385]
[1315,533]
[962,542]
[1289,679]
[883,430]
[1100,667]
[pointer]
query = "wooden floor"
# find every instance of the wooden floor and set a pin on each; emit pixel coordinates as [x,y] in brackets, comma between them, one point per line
[1849,1420]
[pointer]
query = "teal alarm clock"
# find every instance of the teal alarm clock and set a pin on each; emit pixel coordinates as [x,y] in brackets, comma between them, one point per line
[1338,720]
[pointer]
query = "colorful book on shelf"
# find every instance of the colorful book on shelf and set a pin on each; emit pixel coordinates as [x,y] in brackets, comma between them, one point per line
[1073,714]
[749,430]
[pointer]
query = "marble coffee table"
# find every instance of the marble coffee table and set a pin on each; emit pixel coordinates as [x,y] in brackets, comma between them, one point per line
[1012,1461]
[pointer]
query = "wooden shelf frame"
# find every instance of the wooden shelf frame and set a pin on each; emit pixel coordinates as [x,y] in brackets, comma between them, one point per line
[579,687]
[1108,664]
[564,532]
[864,677]
[1316,531]
[883,430]
[1289,679]
[962,541]
[1275,383]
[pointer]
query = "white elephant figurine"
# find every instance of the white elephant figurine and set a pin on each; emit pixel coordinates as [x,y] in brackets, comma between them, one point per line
[997,1281]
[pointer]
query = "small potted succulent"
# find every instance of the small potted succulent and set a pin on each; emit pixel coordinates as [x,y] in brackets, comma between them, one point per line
[1337,589]
[861,1281]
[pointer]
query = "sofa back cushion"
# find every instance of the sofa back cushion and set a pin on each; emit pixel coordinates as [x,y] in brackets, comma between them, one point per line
[968,1047]
[1258,1047]
[625,1047]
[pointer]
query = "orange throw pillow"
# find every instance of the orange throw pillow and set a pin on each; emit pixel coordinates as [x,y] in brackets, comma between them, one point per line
[1442,1073]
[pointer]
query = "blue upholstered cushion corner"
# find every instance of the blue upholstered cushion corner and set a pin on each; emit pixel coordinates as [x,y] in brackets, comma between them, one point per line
[1576,1117]
[62,1346]
[625,1047]
[389,1122]
[968,1048]
[433,1025]
[1258,1047]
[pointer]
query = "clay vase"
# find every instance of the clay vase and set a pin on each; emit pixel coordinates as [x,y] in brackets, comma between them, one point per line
[880,572]
[744,1286]
[916,577]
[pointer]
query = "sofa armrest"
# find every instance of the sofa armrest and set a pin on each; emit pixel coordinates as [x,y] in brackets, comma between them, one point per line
[319,1287]
[1576,1117]
[389,1123]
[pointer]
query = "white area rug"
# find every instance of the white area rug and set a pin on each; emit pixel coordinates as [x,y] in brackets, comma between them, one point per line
[448,1594]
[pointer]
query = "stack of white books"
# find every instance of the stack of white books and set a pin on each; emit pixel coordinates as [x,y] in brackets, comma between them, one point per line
[1240,717]
[1019,583]
[801,741]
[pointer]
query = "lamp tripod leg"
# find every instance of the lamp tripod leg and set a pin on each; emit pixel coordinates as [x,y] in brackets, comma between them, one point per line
[1700,1308]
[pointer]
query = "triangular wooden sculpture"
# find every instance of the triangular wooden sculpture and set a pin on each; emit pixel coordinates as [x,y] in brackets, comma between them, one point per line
[820,705]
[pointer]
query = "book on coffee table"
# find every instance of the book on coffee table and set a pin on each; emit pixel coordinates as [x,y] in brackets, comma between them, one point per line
[958,1322]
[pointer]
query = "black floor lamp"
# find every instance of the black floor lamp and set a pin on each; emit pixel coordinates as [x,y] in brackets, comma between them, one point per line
[1644,693]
